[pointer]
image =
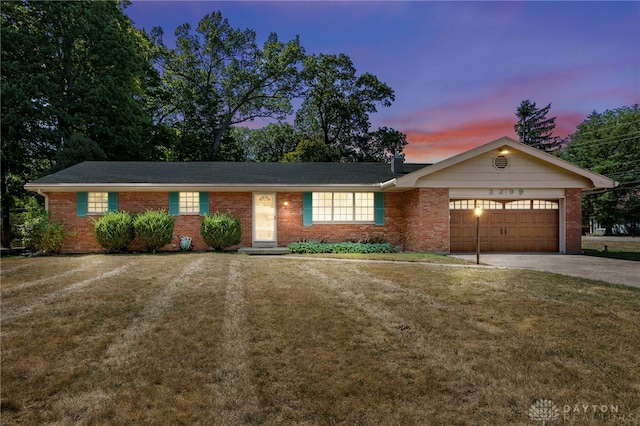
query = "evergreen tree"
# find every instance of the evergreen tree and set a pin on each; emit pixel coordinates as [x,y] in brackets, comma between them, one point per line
[534,128]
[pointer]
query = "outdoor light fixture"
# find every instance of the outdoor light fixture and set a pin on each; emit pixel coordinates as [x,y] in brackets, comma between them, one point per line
[504,151]
[286,204]
[477,213]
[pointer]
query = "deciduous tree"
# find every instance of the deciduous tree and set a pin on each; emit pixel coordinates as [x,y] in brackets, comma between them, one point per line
[73,77]
[608,143]
[337,104]
[217,77]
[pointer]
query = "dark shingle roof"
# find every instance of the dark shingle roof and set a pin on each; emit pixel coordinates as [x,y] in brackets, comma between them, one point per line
[224,173]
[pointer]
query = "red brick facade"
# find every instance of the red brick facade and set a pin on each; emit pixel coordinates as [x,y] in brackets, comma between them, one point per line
[573,199]
[427,216]
[417,220]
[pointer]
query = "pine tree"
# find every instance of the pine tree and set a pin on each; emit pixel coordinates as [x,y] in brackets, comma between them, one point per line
[534,128]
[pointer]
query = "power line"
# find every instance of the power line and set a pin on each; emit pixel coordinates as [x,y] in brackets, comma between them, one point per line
[604,141]
[606,128]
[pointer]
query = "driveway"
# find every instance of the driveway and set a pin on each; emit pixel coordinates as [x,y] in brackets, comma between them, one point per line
[615,271]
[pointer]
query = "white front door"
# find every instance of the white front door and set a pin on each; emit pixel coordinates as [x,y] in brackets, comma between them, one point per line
[264,220]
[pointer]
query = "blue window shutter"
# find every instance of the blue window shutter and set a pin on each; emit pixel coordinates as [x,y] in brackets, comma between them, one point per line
[174,203]
[112,201]
[307,208]
[204,203]
[378,206]
[81,204]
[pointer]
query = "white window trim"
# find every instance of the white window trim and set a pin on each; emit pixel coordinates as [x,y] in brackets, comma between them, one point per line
[195,205]
[93,203]
[353,206]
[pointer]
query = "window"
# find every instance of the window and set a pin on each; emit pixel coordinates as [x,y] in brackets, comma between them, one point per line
[97,202]
[518,205]
[545,205]
[508,205]
[343,207]
[189,202]
[471,204]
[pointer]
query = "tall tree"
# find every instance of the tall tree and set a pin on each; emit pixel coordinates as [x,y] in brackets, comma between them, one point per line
[337,104]
[73,81]
[608,143]
[534,128]
[268,144]
[218,77]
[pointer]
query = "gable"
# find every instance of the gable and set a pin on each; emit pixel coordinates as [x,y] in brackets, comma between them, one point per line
[522,166]
[522,171]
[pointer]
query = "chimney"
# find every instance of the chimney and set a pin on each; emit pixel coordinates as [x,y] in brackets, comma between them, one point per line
[397,163]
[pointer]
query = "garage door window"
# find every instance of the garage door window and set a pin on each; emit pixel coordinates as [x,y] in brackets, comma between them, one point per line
[503,205]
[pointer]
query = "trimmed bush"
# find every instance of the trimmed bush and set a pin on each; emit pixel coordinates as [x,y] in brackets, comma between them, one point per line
[154,229]
[221,230]
[114,231]
[346,247]
[40,233]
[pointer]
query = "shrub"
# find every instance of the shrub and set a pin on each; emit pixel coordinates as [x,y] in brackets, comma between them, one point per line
[154,229]
[221,230]
[114,231]
[345,247]
[39,232]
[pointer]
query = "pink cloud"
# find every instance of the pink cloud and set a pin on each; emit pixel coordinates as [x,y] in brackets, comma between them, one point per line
[435,146]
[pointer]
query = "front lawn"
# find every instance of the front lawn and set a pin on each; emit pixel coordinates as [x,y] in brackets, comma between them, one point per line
[204,338]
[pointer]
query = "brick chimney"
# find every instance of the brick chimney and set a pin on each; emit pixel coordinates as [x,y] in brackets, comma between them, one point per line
[397,164]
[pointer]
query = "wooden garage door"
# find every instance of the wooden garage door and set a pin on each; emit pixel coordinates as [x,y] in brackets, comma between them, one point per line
[506,226]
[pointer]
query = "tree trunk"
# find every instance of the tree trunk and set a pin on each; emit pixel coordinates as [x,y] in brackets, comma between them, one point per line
[6,205]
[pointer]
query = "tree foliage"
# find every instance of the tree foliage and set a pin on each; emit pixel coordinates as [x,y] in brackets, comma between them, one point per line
[534,128]
[74,77]
[607,143]
[337,104]
[218,77]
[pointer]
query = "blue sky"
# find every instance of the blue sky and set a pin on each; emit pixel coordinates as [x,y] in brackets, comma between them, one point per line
[459,69]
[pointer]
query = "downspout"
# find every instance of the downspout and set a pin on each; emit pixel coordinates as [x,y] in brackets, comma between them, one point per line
[46,199]
[388,184]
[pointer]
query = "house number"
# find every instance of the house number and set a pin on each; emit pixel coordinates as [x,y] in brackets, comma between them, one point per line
[504,191]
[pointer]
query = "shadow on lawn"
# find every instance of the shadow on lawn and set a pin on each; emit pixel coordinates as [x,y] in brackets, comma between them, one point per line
[624,255]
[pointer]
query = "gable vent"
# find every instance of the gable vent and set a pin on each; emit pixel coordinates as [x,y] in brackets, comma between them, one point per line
[500,162]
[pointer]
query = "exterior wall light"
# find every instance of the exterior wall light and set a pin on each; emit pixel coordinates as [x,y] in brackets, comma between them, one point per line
[286,204]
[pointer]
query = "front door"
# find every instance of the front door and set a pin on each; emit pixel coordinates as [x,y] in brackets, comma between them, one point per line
[264,220]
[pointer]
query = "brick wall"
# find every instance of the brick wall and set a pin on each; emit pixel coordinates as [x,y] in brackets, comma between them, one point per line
[427,219]
[573,198]
[79,230]
[291,229]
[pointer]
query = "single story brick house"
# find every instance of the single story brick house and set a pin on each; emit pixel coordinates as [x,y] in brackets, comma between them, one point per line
[531,201]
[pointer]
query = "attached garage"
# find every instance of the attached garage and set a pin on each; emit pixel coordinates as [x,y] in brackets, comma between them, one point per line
[509,226]
[530,201]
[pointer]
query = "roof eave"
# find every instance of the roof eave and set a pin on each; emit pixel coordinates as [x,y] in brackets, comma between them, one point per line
[197,187]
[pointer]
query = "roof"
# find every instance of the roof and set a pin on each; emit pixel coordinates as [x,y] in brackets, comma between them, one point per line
[237,175]
[249,176]
[409,180]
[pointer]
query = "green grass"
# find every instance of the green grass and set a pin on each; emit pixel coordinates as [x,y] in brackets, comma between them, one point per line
[625,250]
[398,257]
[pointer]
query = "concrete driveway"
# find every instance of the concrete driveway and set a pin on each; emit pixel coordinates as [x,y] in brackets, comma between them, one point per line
[615,271]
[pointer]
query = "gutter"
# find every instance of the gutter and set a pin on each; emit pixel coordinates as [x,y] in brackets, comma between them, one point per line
[147,187]
[388,184]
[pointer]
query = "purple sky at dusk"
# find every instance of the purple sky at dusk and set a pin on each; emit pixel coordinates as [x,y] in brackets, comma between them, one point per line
[459,69]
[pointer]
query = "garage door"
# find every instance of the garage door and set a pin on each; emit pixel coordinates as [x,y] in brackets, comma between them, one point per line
[505,226]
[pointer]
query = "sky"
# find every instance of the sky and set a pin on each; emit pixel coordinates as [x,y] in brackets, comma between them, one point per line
[459,70]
